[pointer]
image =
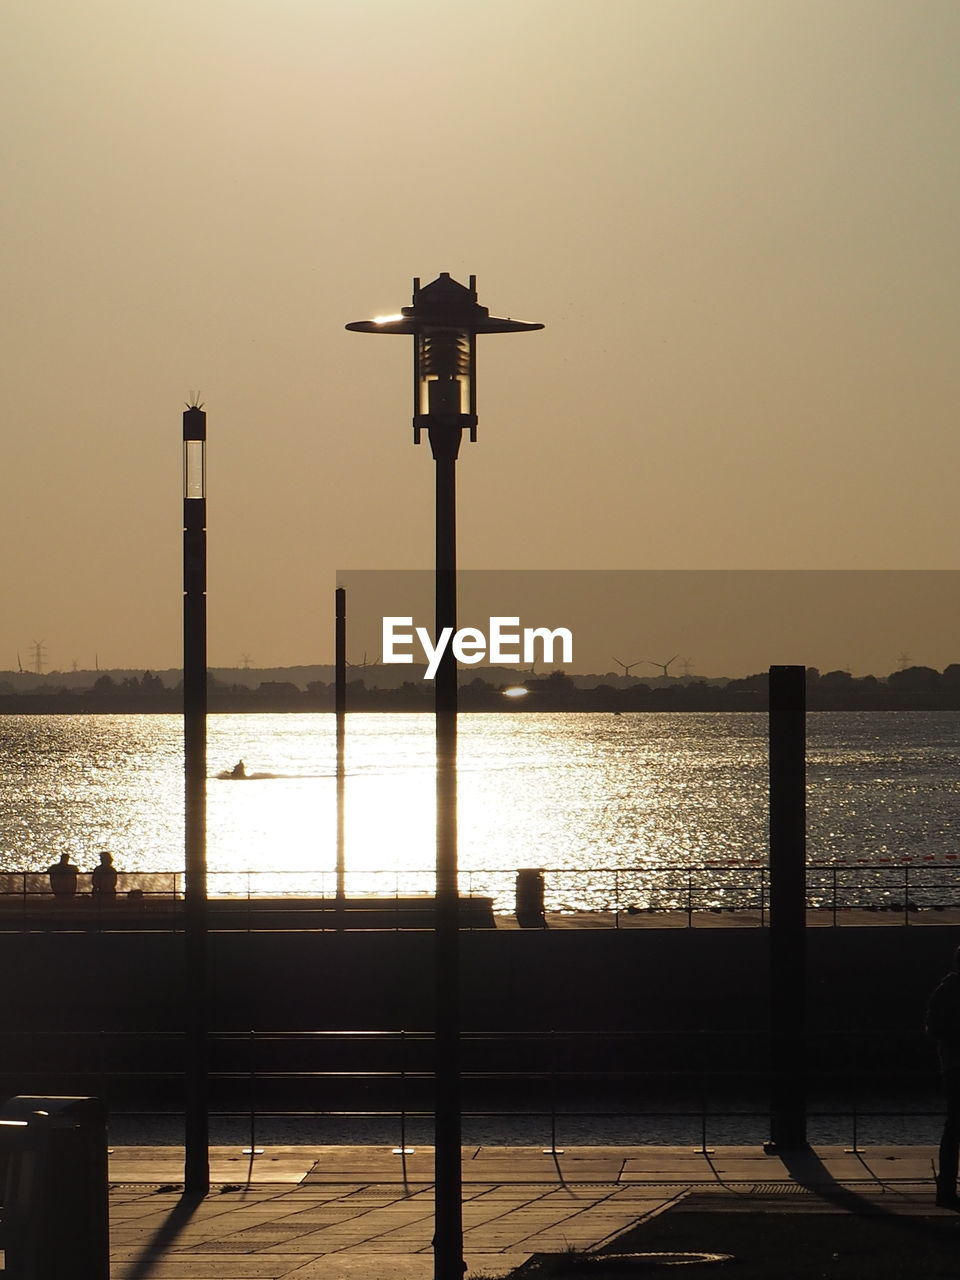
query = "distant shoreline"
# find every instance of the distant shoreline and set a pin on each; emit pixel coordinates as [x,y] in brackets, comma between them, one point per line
[385,687]
[735,697]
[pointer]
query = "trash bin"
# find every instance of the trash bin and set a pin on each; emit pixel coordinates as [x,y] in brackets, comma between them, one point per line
[55,1216]
[530,899]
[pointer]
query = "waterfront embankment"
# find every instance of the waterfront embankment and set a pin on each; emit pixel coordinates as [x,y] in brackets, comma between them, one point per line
[645,982]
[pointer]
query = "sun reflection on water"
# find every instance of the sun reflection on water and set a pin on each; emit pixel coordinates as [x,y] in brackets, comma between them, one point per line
[591,794]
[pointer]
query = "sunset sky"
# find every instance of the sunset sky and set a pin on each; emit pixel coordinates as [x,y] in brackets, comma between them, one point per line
[737,220]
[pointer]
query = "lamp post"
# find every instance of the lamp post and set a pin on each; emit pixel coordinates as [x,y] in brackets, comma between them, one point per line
[444,321]
[788,909]
[196,1174]
[340,597]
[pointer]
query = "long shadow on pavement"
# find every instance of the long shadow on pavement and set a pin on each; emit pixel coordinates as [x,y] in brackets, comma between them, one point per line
[847,1236]
[154,1251]
[851,1237]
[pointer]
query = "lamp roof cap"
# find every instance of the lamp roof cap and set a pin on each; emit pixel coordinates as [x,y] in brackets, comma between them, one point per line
[444,303]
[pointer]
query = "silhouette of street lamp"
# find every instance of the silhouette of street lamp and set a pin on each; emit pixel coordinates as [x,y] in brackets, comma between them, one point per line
[196,1175]
[444,321]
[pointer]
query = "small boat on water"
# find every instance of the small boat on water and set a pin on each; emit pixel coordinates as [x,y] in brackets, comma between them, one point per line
[239,774]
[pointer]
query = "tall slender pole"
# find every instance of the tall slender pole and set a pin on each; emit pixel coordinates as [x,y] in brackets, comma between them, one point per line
[444,320]
[196,1174]
[341,714]
[448,1239]
[788,1101]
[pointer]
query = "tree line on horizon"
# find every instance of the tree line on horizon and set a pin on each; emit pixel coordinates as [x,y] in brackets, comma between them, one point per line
[914,688]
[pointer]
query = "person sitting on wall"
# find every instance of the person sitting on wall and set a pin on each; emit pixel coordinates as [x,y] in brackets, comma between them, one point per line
[63,877]
[239,770]
[104,878]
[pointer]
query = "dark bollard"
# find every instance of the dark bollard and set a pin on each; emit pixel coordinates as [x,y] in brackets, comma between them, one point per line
[55,1211]
[530,911]
[788,902]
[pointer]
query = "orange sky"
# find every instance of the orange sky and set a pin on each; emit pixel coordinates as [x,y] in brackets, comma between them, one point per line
[737,219]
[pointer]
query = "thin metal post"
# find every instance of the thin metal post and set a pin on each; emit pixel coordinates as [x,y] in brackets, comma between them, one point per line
[341,714]
[703,1115]
[253,1102]
[788,1096]
[764,897]
[553,1149]
[689,899]
[403,1150]
[448,1238]
[253,1149]
[835,891]
[853,1073]
[196,1175]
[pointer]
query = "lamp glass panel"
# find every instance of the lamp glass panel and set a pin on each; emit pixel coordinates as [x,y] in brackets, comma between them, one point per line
[444,371]
[194,468]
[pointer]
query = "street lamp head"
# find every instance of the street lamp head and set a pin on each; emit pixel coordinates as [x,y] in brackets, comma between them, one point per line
[444,320]
[194,450]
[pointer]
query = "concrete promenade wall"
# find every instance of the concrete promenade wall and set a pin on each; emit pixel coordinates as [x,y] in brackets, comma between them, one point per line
[866,979]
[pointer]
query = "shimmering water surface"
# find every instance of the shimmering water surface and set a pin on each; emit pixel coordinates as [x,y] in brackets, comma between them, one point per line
[589,793]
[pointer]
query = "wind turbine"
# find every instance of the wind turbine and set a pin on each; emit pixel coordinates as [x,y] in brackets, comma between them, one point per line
[628,666]
[662,665]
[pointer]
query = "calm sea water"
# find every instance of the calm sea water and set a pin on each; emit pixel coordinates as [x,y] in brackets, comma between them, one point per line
[594,796]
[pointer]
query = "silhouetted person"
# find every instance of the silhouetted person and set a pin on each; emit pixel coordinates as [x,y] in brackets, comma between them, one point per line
[63,877]
[943,1023]
[104,878]
[239,770]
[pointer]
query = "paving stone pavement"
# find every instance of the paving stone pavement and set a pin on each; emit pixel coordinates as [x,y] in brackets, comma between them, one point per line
[336,1212]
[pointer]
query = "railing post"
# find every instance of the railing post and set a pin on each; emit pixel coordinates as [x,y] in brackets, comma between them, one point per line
[853,1072]
[834,877]
[689,899]
[403,1094]
[703,1116]
[253,1149]
[553,1150]
[760,891]
[102,1072]
[788,1100]
[763,897]
[403,1150]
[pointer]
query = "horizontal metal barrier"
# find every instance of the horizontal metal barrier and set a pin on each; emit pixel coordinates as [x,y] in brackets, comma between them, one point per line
[529,1088]
[617,897]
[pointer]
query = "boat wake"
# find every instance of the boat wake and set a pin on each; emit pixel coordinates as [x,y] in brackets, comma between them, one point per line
[227,775]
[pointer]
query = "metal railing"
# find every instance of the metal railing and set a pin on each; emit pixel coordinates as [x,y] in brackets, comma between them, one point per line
[542,1089]
[617,897]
